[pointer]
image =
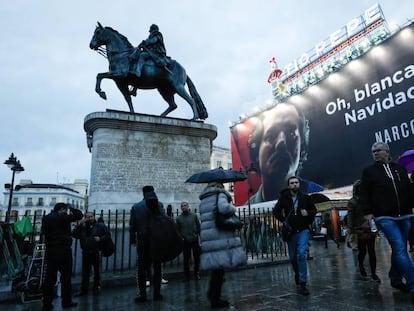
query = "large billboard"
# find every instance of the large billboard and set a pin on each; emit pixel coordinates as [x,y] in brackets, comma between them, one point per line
[324,134]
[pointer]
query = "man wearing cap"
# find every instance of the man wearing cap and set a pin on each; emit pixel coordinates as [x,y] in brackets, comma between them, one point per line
[58,257]
[141,213]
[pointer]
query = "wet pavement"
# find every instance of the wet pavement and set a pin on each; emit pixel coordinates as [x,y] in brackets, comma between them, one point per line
[333,280]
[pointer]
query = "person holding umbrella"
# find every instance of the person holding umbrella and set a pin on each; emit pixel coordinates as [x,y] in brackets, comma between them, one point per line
[221,249]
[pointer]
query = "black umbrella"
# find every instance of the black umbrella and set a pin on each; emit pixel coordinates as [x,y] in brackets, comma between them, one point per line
[318,198]
[217,174]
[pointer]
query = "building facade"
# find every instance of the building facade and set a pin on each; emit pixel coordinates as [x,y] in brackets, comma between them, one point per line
[221,157]
[31,198]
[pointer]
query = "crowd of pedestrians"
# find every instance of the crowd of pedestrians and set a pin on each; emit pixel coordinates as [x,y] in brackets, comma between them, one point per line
[383,199]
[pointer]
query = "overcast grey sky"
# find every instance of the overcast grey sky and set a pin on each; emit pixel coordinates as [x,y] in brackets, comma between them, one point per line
[48,71]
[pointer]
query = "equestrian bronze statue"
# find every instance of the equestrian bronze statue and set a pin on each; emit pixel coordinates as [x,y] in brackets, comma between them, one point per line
[144,67]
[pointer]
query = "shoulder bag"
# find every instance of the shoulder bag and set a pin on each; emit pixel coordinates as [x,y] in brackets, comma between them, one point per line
[286,230]
[227,222]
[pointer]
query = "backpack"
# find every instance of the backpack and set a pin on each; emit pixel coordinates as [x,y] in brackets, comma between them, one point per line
[165,241]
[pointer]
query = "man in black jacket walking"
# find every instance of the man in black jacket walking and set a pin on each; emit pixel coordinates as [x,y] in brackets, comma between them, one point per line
[386,196]
[91,235]
[58,257]
[141,213]
[297,209]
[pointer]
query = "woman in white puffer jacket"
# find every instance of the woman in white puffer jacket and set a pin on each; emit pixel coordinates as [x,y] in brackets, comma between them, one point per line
[220,249]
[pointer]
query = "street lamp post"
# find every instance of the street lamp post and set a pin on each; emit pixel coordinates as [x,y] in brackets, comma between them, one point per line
[16,167]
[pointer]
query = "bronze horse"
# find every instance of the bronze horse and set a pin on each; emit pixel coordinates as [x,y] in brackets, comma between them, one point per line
[167,82]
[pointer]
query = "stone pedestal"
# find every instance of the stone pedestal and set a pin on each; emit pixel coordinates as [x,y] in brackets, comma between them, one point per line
[130,151]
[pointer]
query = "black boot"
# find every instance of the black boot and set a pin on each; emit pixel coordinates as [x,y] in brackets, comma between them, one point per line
[362,270]
[214,291]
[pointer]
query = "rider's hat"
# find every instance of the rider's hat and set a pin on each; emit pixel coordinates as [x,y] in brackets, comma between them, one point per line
[154,27]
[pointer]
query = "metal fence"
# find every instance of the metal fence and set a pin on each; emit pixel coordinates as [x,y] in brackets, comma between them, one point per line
[259,236]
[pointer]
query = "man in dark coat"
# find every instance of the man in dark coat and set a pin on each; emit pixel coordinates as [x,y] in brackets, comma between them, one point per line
[297,209]
[91,235]
[188,225]
[56,228]
[152,48]
[141,213]
[386,196]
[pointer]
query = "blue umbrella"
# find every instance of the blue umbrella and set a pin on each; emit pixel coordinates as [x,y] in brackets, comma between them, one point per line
[217,174]
[407,160]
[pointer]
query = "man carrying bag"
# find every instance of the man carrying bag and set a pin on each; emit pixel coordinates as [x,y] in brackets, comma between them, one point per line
[301,213]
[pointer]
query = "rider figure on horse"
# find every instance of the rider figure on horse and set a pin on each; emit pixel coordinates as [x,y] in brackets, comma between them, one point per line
[151,49]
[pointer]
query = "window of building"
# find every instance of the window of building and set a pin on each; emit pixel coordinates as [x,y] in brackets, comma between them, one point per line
[40,202]
[218,163]
[29,202]
[229,166]
[52,202]
[38,215]
[15,202]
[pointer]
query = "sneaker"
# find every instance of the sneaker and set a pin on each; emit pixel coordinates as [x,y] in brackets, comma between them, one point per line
[362,271]
[302,290]
[163,281]
[147,283]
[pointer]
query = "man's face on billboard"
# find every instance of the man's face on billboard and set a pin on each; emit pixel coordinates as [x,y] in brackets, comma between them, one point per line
[280,147]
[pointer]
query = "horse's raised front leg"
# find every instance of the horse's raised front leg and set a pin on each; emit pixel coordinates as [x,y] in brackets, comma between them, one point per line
[99,77]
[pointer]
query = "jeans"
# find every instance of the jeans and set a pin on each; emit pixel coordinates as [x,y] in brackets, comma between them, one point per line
[397,232]
[297,246]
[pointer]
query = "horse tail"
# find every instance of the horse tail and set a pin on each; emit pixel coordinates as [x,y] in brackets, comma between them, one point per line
[201,109]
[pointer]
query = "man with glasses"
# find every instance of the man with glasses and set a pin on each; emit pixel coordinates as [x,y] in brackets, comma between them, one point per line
[188,225]
[386,196]
[297,209]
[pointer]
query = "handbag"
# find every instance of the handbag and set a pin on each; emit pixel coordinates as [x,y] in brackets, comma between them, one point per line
[108,247]
[324,230]
[364,232]
[227,222]
[286,231]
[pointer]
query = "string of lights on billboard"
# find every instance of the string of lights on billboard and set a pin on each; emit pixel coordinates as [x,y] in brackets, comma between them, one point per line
[328,56]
